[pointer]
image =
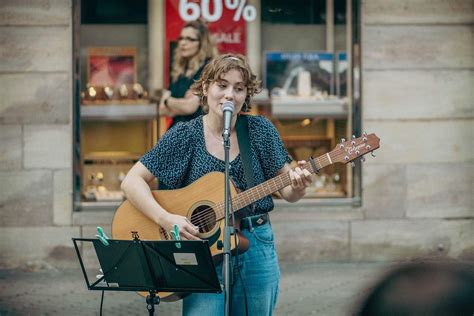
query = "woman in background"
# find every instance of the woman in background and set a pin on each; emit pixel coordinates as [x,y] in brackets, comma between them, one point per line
[195,49]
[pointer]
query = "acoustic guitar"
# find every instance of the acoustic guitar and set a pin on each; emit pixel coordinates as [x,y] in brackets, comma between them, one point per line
[202,202]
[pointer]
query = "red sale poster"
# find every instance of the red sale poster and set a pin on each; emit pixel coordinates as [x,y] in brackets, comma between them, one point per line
[225,22]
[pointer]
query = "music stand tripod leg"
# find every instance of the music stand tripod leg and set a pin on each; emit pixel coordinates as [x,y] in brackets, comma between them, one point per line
[151,301]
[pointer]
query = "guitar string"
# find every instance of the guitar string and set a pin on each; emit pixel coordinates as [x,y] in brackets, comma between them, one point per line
[208,213]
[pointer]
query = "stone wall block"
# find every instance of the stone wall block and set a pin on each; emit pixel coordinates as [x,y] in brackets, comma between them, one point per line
[44,12]
[62,203]
[26,198]
[384,191]
[440,190]
[415,47]
[87,218]
[312,241]
[38,247]
[11,146]
[413,94]
[422,141]
[35,98]
[48,146]
[418,12]
[382,240]
[303,212]
[24,49]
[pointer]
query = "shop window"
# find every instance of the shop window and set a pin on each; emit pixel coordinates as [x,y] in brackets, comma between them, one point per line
[309,54]
[115,121]
[305,67]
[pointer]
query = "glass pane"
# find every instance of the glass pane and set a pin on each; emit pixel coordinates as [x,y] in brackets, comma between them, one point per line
[307,83]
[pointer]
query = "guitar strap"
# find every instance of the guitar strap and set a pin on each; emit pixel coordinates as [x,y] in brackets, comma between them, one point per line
[242,129]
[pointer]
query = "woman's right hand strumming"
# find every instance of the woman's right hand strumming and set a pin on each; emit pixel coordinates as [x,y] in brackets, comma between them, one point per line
[136,189]
[187,231]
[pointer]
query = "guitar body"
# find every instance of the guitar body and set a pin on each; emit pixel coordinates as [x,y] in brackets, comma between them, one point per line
[198,201]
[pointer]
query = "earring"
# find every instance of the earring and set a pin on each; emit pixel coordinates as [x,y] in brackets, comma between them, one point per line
[246,106]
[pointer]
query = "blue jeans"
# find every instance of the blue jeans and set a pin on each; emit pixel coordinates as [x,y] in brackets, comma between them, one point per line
[260,275]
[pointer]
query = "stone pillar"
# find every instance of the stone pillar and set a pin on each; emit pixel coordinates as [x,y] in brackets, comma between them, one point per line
[156,42]
[417,96]
[254,42]
[36,132]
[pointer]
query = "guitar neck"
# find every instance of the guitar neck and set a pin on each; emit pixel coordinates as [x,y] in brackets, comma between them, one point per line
[268,187]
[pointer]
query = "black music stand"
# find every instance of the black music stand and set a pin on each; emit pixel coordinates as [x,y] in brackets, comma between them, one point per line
[153,266]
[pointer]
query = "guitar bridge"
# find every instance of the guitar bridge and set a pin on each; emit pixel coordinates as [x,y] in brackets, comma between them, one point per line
[135,235]
[164,234]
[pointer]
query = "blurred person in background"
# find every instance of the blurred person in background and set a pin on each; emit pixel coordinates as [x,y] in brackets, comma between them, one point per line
[430,287]
[195,49]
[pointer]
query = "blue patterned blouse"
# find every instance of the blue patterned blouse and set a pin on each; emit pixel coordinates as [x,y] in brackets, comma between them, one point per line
[181,157]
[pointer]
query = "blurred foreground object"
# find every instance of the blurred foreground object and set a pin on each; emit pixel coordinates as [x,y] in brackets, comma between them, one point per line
[431,287]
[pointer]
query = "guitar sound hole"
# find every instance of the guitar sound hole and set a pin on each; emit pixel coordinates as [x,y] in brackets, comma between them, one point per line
[204,217]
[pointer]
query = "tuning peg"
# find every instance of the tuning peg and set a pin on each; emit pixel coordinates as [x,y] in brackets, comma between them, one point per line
[372,154]
[353,140]
[342,141]
[368,147]
[362,159]
[346,157]
[357,152]
[364,138]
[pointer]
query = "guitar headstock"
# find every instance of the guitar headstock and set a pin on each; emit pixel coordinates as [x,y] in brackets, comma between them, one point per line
[347,151]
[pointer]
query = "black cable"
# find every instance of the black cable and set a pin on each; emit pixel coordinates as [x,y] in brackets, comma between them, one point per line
[245,293]
[101,303]
[237,260]
[240,276]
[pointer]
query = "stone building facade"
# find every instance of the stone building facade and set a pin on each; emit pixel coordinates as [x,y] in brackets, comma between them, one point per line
[417,77]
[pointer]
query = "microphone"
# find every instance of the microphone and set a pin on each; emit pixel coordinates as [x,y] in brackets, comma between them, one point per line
[227,108]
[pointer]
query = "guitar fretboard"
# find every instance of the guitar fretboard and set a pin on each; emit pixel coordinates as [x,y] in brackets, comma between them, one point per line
[268,187]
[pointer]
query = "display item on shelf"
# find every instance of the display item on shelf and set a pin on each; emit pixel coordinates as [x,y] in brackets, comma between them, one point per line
[109,92]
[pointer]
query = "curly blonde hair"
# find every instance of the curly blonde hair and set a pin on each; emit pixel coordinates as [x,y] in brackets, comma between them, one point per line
[207,50]
[216,69]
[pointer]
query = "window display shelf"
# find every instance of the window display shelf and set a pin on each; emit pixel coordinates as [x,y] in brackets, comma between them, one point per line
[297,107]
[119,112]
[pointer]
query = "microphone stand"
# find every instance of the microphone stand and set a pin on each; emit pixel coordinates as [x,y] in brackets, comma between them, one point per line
[228,229]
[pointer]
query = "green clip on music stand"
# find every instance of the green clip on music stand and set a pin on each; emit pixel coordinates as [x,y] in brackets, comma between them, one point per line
[153,266]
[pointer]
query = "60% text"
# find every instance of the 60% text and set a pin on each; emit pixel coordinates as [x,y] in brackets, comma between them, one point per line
[190,11]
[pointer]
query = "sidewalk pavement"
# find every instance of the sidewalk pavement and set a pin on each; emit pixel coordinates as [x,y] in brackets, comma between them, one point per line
[305,289]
